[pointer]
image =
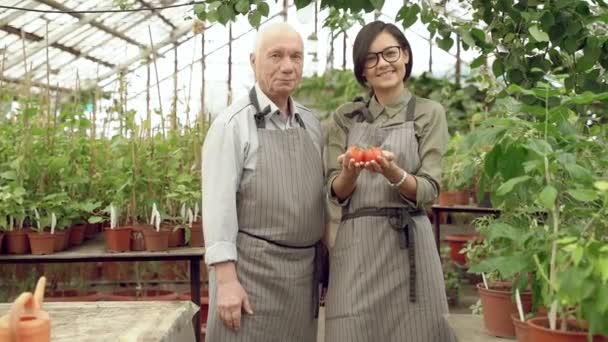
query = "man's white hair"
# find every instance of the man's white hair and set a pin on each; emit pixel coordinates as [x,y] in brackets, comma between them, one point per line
[278,26]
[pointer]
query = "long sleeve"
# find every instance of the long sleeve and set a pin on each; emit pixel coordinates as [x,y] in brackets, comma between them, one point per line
[222,168]
[432,128]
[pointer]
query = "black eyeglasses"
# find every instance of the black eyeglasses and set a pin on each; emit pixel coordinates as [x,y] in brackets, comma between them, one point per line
[390,54]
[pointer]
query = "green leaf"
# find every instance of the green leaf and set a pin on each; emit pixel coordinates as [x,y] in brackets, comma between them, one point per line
[478,35]
[95,219]
[264,9]
[408,15]
[548,196]
[242,6]
[302,3]
[255,18]
[10,175]
[538,146]
[578,172]
[225,13]
[602,265]
[199,8]
[479,61]
[445,43]
[508,186]
[502,230]
[583,195]
[577,254]
[547,20]
[377,4]
[601,185]
[498,67]
[538,34]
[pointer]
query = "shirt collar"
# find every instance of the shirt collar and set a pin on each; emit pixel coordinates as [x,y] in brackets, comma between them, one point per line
[264,101]
[391,109]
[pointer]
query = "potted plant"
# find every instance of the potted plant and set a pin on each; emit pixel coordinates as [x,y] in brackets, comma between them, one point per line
[12,215]
[156,239]
[118,239]
[545,168]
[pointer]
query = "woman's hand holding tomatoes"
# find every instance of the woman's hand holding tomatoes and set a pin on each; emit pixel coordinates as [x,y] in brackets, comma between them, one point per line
[352,162]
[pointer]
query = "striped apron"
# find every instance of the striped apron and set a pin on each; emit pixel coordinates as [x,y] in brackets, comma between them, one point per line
[386,281]
[280,215]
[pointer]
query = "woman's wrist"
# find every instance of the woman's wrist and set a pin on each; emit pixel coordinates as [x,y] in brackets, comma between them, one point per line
[394,174]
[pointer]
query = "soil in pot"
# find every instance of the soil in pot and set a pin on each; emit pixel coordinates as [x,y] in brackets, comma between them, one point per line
[156,241]
[118,239]
[16,242]
[538,330]
[42,243]
[498,306]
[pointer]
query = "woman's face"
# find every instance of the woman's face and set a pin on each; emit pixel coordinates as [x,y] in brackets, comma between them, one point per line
[385,63]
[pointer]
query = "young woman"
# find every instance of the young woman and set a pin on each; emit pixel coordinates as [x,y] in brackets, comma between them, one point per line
[386,281]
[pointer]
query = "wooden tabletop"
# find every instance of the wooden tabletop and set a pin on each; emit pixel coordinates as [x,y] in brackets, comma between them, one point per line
[119,321]
[470,328]
[95,250]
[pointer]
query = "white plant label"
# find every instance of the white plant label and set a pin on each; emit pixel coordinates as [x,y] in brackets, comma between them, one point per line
[190,217]
[112,216]
[183,210]
[195,210]
[53,222]
[520,308]
[37,218]
[485,282]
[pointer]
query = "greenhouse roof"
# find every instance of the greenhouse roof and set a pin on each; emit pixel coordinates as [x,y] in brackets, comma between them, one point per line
[85,47]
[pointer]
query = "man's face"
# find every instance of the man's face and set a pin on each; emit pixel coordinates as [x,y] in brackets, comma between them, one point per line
[278,63]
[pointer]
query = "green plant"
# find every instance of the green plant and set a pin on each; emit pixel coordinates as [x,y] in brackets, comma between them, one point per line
[546,168]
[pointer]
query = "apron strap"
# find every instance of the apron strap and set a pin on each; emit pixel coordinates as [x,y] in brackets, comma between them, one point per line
[410,113]
[260,115]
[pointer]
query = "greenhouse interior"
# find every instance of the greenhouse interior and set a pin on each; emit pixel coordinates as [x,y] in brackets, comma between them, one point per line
[304,170]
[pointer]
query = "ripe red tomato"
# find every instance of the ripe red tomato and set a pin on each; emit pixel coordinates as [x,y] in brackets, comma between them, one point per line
[373,153]
[356,153]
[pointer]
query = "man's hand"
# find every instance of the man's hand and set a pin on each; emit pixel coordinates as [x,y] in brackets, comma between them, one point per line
[232,299]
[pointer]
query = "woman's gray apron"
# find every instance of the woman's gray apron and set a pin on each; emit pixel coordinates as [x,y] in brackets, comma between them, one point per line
[280,215]
[386,281]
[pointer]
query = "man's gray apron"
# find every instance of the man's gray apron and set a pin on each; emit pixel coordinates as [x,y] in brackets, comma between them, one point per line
[386,281]
[280,215]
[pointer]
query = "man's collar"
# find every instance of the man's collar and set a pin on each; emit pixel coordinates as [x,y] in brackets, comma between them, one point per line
[264,101]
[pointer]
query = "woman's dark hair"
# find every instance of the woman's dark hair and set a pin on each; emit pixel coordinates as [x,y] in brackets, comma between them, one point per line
[364,40]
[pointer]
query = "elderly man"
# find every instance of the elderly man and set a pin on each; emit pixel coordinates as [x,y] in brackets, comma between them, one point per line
[263,204]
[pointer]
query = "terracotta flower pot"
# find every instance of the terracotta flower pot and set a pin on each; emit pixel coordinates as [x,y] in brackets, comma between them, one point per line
[457,242]
[42,243]
[90,231]
[138,242]
[1,239]
[196,234]
[17,242]
[538,329]
[498,306]
[156,241]
[71,296]
[131,295]
[118,239]
[59,241]
[450,198]
[177,237]
[521,328]
[66,240]
[77,235]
